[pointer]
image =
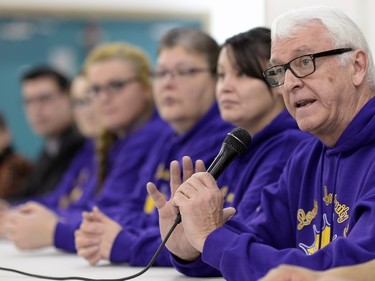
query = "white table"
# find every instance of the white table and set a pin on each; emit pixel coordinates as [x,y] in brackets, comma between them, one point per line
[52,262]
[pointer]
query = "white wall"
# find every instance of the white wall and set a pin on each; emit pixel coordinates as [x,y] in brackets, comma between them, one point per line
[224,17]
[360,11]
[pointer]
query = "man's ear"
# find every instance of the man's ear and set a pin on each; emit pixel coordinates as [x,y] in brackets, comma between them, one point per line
[360,66]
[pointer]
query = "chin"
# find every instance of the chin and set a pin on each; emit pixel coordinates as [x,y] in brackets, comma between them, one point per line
[230,118]
[170,116]
[306,127]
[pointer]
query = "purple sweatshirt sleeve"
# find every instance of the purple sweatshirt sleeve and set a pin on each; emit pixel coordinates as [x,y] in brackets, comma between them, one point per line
[64,236]
[137,247]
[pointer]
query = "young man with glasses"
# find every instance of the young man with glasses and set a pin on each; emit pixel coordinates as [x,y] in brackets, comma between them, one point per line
[45,94]
[320,214]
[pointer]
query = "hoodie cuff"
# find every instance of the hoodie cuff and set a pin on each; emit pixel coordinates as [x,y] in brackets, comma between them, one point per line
[64,236]
[121,248]
[212,254]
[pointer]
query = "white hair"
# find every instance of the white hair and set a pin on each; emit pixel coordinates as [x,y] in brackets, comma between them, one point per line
[343,32]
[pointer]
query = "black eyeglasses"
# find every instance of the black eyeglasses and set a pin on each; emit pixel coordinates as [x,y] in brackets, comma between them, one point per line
[112,87]
[42,99]
[178,73]
[300,67]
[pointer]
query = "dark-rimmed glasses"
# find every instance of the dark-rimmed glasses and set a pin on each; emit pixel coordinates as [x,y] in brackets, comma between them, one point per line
[112,87]
[300,67]
[41,99]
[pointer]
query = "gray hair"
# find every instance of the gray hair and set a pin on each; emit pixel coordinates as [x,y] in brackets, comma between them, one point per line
[341,30]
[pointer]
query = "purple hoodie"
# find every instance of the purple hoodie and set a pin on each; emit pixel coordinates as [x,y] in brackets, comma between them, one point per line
[320,214]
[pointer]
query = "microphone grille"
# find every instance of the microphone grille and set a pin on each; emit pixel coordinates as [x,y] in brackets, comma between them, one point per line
[239,139]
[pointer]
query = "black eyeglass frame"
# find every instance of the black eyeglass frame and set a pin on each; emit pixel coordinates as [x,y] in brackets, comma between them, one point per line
[287,66]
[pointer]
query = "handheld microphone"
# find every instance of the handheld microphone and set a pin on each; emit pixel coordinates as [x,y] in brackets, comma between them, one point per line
[235,143]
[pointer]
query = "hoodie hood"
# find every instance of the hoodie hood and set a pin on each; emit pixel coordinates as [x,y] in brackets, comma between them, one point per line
[359,133]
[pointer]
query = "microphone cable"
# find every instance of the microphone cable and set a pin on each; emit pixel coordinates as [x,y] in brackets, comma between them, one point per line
[152,261]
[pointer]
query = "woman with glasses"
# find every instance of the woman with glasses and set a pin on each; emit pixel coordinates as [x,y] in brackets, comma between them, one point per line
[121,96]
[184,93]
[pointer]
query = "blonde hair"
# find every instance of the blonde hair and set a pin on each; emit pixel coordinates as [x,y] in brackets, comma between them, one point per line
[126,52]
[142,67]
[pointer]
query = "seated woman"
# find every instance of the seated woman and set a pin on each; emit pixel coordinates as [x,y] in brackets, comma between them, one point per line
[14,168]
[184,93]
[121,95]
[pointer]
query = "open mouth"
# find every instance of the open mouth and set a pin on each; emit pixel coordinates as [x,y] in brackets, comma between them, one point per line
[304,103]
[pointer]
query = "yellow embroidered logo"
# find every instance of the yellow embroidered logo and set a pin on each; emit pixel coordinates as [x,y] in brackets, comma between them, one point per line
[321,239]
[346,229]
[224,190]
[77,191]
[327,197]
[230,197]
[149,206]
[341,210]
[305,219]
[162,172]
